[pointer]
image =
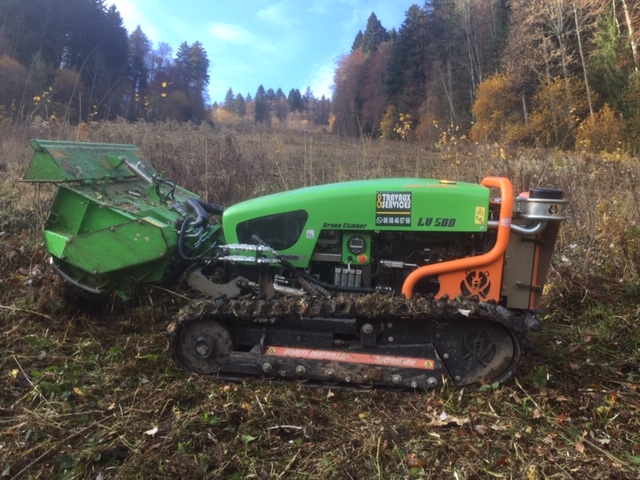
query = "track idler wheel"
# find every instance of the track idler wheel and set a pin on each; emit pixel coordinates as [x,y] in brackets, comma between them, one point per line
[202,346]
[479,352]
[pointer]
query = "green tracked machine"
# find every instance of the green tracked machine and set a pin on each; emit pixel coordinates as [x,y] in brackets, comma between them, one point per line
[402,282]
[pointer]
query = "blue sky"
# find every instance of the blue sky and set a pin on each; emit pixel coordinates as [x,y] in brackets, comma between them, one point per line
[279,44]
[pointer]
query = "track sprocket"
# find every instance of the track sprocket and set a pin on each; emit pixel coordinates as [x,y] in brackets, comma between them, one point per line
[202,346]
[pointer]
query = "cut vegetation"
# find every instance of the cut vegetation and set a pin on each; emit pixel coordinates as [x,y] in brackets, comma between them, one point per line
[87,391]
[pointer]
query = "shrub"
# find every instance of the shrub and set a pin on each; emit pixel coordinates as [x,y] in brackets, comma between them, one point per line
[559,106]
[601,133]
[495,109]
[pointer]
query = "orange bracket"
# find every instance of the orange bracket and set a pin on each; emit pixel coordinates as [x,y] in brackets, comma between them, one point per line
[470,263]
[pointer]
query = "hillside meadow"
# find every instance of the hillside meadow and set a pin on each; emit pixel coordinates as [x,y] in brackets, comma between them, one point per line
[86,390]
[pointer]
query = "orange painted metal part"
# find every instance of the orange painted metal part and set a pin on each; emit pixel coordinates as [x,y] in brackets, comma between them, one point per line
[452,273]
[351,357]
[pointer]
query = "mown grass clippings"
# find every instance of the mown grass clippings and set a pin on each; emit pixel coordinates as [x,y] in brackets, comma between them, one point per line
[86,390]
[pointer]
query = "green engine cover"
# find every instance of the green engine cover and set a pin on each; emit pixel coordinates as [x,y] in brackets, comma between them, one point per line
[293,222]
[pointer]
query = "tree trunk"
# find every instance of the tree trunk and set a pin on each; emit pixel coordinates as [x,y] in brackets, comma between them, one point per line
[547,60]
[615,15]
[632,38]
[584,65]
[445,81]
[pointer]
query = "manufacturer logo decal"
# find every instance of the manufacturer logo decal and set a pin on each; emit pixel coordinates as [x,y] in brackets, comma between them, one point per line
[476,283]
[393,208]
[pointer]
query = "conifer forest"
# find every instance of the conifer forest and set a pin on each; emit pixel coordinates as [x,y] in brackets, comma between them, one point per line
[544,93]
[560,73]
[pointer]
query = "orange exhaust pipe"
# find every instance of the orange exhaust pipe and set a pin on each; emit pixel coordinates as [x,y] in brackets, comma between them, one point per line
[462,264]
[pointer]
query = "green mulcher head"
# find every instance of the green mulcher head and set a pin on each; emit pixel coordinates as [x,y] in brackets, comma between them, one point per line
[115,222]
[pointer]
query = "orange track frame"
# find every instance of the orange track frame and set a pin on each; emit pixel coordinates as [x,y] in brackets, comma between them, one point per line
[452,273]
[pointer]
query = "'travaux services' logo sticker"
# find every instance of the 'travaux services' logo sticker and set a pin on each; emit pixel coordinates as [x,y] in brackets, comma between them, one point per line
[393,208]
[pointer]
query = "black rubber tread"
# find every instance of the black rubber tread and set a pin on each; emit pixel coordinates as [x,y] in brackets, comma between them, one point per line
[247,310]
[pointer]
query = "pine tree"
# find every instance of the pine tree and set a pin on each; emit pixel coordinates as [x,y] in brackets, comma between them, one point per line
[192,75]
[373,35]
[408,69]
[608,78]
[321,111]
[139,51]
[357,42]
[230,101]
[262,106]
[240,105]
[308,98]
[295,100]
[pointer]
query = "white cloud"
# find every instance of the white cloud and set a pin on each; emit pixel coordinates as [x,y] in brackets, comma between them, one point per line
[321,6]
[130,13]
[132,17]
[232,33]
[321,79]
[277,15]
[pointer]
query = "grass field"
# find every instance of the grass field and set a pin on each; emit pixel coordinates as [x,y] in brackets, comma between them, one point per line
[87,391]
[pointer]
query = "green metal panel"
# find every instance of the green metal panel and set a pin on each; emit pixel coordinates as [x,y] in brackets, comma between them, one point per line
[67,212]
[77,210]
[119,282]
[56,161]
[135,242]
[55,242]
[98,217]
[413,205]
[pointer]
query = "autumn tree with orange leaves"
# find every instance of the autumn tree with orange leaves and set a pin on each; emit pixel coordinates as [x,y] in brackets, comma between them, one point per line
[523,71]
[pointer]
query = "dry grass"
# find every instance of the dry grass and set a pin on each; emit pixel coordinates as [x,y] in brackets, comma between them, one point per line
[86,390]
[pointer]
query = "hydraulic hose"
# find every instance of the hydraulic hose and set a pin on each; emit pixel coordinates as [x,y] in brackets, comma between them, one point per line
[211,208]
[202,218]
[186,225]
[200,210]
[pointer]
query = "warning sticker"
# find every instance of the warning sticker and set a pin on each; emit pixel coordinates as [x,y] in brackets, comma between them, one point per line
[393,208]
[352,357]
[480,215]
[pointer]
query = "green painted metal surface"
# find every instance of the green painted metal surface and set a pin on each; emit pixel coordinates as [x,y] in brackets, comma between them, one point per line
[57,161]
[400,204]
[136,242]
[108,227]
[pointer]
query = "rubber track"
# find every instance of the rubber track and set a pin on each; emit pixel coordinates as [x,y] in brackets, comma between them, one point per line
[371,306]
[351,306]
